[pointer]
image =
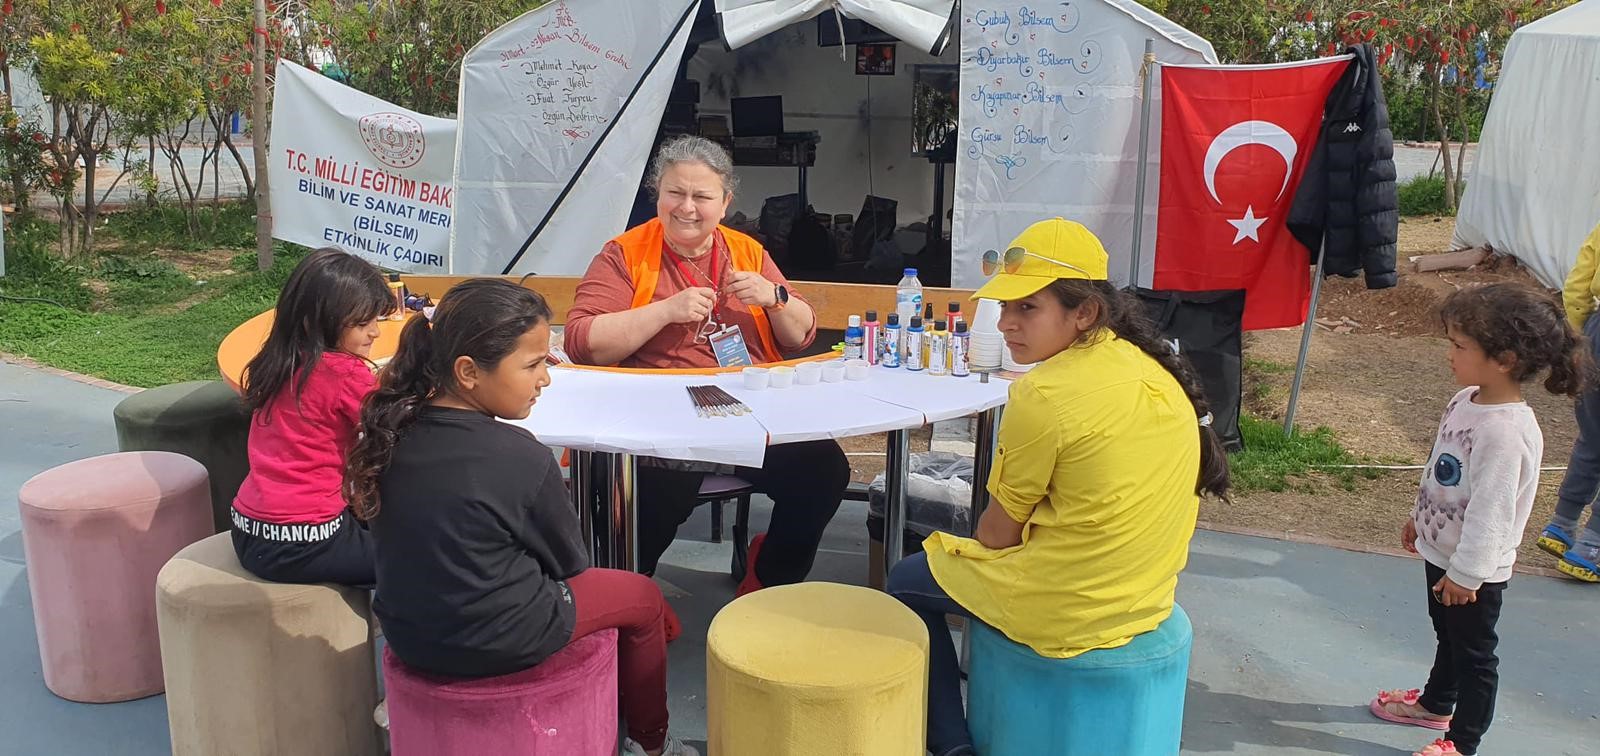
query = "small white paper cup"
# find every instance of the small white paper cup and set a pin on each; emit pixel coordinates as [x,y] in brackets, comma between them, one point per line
[855,370]
[807,374]
[781,377]
[833,372]
[755,378]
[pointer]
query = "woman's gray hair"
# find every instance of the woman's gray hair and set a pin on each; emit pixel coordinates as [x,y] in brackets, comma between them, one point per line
[693,149]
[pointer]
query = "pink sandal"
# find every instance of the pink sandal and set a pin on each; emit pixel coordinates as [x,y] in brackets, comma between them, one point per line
[1380,709]
[1439,747]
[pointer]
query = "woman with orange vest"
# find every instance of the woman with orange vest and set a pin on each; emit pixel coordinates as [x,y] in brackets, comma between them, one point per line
[678,291]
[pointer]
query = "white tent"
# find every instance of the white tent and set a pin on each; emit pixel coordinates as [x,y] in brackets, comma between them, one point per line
[1535,190]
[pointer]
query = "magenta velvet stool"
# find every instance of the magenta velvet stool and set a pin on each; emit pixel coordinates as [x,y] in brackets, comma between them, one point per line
[566,706]
[95,533]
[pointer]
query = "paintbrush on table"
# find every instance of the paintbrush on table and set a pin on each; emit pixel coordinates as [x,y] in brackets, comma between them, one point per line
[712,401]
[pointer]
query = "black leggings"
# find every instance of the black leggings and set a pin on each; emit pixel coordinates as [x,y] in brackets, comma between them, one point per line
[344,558]
[1466,671]
[805,481]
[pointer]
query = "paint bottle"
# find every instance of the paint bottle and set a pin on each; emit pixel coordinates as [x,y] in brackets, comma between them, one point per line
[397,291]
[939,350]
[854,341]
[914,345]
[889,355]
[955,316]
[960,342]
[871,335]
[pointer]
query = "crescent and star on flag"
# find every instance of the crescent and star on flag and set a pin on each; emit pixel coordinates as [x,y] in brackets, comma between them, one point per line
[1238,135]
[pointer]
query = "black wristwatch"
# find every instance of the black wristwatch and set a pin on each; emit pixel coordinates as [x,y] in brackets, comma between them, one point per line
[781,294]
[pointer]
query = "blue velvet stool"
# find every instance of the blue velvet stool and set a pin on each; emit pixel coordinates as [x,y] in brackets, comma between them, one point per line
[1124,701]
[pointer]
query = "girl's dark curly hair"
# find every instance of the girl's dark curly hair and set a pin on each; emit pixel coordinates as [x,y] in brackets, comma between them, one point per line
[481,318]
[1125,316]
[1525,326]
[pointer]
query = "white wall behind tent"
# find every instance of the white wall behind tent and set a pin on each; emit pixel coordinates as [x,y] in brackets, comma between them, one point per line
[1050,123]
[26,98]
[1531,193]
[866,142]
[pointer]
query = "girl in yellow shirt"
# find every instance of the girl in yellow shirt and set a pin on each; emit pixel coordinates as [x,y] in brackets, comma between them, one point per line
[1104,449]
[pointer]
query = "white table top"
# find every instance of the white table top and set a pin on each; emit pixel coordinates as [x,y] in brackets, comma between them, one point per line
[652,415]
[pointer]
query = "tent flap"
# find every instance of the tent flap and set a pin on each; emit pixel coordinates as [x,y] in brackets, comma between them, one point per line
[918,22]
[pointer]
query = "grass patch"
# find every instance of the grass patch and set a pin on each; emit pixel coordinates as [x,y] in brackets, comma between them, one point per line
[1272,461]
[131,317]
[1424,195]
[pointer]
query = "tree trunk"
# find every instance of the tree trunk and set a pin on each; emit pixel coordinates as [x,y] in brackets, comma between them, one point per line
[244,168]
[1466,136]
[260,128]
[1444,150]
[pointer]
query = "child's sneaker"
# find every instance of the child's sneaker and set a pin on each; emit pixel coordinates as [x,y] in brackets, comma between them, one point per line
[673,747]
[1401,707]
[1439,747]
[1581,563]
[1554,541]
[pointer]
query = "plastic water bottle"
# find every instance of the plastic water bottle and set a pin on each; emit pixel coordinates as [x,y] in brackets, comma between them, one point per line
[908,300]
[889,352]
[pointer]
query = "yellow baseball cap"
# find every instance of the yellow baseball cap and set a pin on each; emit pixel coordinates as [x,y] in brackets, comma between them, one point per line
[1047,251]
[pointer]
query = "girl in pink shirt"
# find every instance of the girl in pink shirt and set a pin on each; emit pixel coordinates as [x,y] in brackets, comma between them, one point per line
[304,390]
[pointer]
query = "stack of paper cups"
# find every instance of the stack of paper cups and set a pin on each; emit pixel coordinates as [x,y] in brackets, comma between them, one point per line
[1009,364]
[987,349]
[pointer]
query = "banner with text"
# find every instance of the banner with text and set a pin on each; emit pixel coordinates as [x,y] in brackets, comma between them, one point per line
[1050,122]
[559,109]
[353,171]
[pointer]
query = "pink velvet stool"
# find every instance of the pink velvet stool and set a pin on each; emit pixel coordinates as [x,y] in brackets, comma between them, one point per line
[566,706]
[95,533]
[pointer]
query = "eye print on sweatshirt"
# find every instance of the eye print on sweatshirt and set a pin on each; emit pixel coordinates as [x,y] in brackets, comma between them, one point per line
[1445,501]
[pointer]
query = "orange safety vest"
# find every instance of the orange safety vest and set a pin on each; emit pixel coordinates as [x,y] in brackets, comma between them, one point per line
[641,252]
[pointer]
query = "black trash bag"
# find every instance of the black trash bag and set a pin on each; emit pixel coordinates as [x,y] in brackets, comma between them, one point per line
[778,215]
[1207,327]
[811,245]
[935,500]
[875,223]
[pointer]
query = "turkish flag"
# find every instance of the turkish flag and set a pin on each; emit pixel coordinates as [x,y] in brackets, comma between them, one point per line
[1234,144]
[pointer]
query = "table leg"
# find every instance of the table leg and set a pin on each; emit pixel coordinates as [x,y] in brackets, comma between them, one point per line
[895,474]
[583,498]
[621,512]
[804,200]
[982,465]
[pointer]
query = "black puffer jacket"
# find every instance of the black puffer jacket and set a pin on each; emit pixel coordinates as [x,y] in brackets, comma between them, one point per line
[1347,199]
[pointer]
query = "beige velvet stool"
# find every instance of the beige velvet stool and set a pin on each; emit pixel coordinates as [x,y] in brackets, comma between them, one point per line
[95,533]
[816,668]
[258,668]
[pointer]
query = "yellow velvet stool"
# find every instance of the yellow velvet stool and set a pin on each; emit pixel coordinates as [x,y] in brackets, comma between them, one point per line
[816,668]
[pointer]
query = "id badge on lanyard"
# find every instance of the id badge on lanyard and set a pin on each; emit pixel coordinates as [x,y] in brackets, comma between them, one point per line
[729,347]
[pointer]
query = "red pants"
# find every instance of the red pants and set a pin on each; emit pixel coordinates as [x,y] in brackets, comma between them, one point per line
[632,604]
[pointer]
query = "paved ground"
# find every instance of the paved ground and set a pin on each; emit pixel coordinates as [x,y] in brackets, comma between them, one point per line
[1291,640]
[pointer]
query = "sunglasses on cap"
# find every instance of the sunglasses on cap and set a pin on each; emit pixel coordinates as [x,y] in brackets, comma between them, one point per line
[993,262]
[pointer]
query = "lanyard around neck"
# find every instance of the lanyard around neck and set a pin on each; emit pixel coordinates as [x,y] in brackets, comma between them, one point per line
[715,273]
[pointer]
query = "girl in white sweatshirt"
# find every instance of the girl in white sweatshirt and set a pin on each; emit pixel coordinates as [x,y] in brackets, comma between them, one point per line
[1476,495]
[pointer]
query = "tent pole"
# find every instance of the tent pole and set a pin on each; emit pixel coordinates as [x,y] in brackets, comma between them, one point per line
[1305,345]
[1144,158]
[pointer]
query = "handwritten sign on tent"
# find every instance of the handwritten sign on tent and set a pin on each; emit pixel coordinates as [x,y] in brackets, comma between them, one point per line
[356,172]
[1050,119]
[558,112]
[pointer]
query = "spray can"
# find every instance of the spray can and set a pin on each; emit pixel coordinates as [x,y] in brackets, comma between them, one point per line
[890,354]
[871,335]
[914,345]
[960,342]
[939,350]
[397,291]
[853,339]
